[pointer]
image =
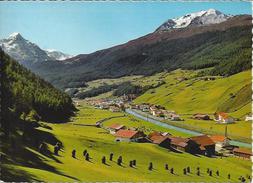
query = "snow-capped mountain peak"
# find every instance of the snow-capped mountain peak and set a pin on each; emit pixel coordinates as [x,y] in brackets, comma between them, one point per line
[15,35]
[210,16]
[27,52]
[57,55]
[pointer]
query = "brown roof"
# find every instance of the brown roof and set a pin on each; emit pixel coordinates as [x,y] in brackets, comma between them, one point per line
[179,141]
[126,133]
[159,139]
[155,133]
[203,140]
[218,138]
[242,151]
[223,115]
[116,126]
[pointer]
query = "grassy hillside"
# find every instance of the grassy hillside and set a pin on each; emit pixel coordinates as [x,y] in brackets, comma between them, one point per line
[99,143]
[26,101]
[197,94]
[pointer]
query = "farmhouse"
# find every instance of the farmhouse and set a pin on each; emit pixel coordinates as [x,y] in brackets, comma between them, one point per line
[220,141]
[201,116]
[206,145]
[242,152]
[222,117]
[161,140]
[128,135]
[116,127]
[184,144]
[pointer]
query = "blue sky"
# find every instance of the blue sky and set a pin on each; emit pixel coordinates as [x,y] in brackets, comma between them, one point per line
[84,27]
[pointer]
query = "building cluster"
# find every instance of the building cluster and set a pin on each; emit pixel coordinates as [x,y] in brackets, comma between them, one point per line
[116,105]
[202,144]
[157,111]
[121,103]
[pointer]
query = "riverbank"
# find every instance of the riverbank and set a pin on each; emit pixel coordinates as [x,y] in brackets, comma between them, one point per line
[175,126]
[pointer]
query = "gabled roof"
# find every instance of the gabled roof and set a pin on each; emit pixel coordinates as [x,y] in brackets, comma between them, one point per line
[160,139]
[223,115]
[154,133]
[179,141]
[116,126]
[203,140]
[126,133]
[243,151]
[218,138]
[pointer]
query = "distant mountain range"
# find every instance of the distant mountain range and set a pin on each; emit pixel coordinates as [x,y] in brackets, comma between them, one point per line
[206,39]
[27,52]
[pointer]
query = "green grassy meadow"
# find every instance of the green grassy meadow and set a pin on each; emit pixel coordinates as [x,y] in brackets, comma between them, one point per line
[196,95]
[100,143]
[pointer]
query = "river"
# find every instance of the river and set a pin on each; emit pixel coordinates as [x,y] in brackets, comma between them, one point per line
[190,132]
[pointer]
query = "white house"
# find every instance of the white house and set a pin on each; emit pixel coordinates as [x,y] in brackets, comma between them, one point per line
[128,135]
[248,118]
[220,141]
[222,117]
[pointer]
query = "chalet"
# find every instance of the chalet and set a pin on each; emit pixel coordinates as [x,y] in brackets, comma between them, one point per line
[206,145]
[220,141]
[159,139]
[163,141]
[201,116]
[116,127]
[128,135]
[222,117]
[184,144]
[242,152]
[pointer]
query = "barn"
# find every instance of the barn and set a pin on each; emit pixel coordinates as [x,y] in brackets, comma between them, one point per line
[128,135]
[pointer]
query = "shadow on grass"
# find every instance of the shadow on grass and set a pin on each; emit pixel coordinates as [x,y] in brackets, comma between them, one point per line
[10,174]
[23,151]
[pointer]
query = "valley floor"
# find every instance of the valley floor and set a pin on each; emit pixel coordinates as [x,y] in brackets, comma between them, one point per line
[99,143]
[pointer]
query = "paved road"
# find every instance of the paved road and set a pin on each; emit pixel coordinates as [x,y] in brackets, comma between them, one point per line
[191,132]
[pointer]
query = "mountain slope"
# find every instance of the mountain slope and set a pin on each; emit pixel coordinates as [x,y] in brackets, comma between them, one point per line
[26,101]
[28,53]
[23,50]
[201,94]
[23,92]
[191,48]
